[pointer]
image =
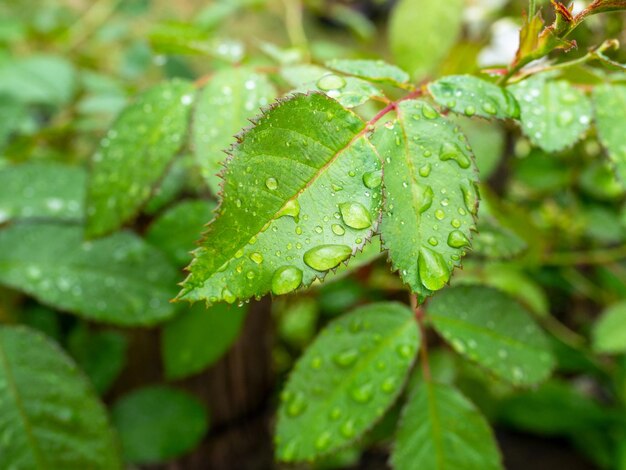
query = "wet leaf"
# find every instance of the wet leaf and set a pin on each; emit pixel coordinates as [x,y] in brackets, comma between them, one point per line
[294,206]
[430,195]
[610,109]
[135,153]
[609,331]
[51,417]
[492,329]
[372,70]
[345,381]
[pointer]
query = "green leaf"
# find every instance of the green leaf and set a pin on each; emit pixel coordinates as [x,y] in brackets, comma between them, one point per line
[372,70]
[471,96]
[495,241]
[345,381]
[295,203]
[609,331]
[101,354]
[442,430]
[487,139]
[610,110]
[233,96]
[40,79]
[41,191]
[51,417]
[349,91]
[430,195]
[492,329]
[158,423]
[177,229]
[118,279]
[554,114]
[422,32]
[198,337]
[135,154]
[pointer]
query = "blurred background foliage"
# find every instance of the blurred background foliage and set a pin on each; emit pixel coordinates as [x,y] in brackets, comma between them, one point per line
[557,239]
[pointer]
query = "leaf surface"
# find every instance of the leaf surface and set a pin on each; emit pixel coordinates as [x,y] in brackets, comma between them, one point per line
[198,337]
[42,191]
[344,382]
[492,329]
[610,110]
[609,331]
[225,105]
[135,153]
[471,96]
[158,423]
[554,114]
[295,203]
[422,32]
[50,416]
[118,279]
[440,429]
[373,70]
[430,195]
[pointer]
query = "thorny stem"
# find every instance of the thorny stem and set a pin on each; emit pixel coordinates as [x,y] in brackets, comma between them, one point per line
[419,316]
[392,106]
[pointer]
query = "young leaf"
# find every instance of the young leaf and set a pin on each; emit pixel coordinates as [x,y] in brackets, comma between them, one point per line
[422,32]
[176,230]
[471,96]
[231,97]
[41,190]
[554,114]
[349,91]
[101,354]
[372,70]
[346,380]
[135,153]
[430,195]
[440,429]
[158,423]
[610,109]
[609,331]
[198,337]
[51,417]
[118,279]
[301,195]
[492,329]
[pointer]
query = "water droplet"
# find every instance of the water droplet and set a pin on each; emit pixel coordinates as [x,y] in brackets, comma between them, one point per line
[271,183]
[439,214]
[297,405]
[456,223]
[228,296]
[289,451]
[256,257]
[470,197]
[429,112]
[324,257]
[457,239]
[335,413]
[433,241]
[489,108]
[432,269]
[331,82]
[423,195]
[451,151]
[425,170]
[355,215]
[362,394]
[388,385]
[316,363]
[346,358]
[286,279]
[338,229]
[319,229]
[298,230]
[373,179]
[291,209]
[565,118]
[347,429]
[405,351]
[322,441]
[470,110]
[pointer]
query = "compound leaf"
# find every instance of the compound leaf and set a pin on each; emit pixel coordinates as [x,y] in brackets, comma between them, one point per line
[50,416]
[118,279]
[345,381]
[471,96]
[135,154]
[610,111]
[198,337]
[229,99]
[42,190]
[301,195]
[492,329]
[372,70]
[422,32]
[440,429]
[150,423]
[430,195]
[554,114]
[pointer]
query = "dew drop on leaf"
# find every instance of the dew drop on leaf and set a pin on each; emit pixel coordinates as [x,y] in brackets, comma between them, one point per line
[271,184]
[457,239]
[363,393]
[451,151]
[338,229]
[331,82]
[291,209]
[297,405]
[346,358]
[372,179]
[347,429]
[286,279]
[429,112]
[325,257]
[432,268]
[355,215]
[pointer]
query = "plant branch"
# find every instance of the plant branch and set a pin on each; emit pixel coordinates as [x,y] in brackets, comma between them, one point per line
[419,316]
[573,258]
[294,24]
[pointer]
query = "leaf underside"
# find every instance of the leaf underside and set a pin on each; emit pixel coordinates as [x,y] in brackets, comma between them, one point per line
[430,195]
[346,379]
[610,111]
[295,203]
